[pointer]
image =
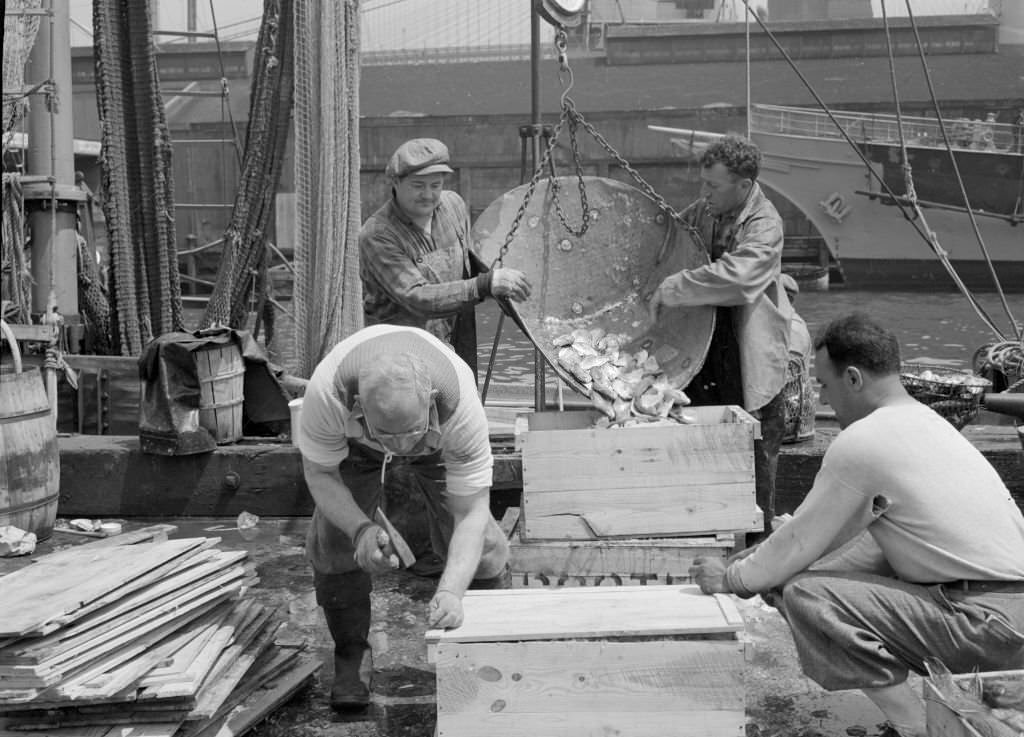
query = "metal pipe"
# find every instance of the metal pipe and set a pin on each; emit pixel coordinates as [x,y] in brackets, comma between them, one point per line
[50,153]
[539,388]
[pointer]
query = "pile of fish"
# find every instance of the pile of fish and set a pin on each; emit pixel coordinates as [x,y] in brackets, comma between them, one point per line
[629,388]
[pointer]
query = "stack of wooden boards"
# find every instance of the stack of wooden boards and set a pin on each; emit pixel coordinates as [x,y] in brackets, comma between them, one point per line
[155,638]
[633,505]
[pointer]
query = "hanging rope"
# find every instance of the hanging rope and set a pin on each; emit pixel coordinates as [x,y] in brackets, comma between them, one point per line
[15,274]
[328,290]
[911,217]
[911,192]
[138,182]
[1018,329]
[242,272]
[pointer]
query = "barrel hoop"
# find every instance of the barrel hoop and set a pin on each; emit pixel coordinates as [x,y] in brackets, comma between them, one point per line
[217,377]
[43,412]
[221,405]
[28,506]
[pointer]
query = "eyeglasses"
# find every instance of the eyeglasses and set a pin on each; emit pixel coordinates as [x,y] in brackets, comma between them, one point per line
[408,442]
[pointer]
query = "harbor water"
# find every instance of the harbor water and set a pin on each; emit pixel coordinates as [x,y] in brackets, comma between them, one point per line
[939,328]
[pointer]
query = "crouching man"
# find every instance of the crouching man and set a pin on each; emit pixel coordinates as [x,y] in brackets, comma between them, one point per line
[388,397]
[908,544]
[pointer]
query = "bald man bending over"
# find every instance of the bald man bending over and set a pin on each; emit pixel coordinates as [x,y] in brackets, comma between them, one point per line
[390,396]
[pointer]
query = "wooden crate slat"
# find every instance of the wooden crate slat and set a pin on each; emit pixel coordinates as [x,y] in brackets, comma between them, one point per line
[516,678]
[625,558]
[46,590]
[633,723]
[542,614]
[634,512]
[603,458]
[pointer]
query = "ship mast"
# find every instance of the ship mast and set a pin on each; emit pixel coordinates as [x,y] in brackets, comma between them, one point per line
[51,197]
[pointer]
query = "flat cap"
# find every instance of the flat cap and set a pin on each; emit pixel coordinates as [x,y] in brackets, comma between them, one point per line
[418,156]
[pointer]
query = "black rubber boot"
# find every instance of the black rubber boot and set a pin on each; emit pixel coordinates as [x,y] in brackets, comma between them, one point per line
[347,610]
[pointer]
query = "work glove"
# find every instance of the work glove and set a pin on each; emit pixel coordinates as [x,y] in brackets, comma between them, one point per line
[510,283]
[374,552]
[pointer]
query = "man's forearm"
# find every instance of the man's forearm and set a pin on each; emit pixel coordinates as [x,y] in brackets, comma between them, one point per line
[464,552]
[334,500]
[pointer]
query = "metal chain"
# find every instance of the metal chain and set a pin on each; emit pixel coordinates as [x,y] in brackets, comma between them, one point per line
[538,172]
[567,114]
[571,116]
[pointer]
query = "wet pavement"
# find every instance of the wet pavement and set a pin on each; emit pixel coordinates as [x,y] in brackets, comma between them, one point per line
[780,701]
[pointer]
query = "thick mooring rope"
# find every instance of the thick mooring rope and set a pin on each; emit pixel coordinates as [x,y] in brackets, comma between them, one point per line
[137,177]
[245,241]
[328,291]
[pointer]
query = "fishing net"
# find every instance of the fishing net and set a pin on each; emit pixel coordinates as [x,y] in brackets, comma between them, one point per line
[138,184]
[15,275]
[243,268]
[328,291]
[19,37]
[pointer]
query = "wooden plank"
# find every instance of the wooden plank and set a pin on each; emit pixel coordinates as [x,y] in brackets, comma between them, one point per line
[273,664]
[47,590]
[59,732]
[633,723]
[509,520]
[639,512]
[129,647]
[96,639]
[514,678]
[150,533]
[177,588]
[105,476]
[632,457]
[94,663]
[541,614]
[264,700]
[211,698]
[662,558]
[193,557]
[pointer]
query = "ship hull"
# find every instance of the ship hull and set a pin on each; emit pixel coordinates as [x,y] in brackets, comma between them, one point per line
[870,240]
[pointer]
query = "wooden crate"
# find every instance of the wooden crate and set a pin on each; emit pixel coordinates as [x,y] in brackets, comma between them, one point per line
[944,721]
[630,562]
[576,662]
[587,483]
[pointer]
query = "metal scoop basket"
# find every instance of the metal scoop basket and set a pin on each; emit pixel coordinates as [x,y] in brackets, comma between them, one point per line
[601,280]
[953,393]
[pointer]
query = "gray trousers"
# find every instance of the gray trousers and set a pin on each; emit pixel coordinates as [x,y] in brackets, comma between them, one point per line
[861,630]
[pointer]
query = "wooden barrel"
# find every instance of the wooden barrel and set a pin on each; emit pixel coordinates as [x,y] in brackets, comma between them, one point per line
[29,457]
[221,373]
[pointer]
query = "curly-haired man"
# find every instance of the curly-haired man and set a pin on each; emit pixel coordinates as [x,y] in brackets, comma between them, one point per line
[746,363]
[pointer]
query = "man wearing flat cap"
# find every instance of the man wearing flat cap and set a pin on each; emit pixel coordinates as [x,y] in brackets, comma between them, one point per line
[415,254]
[394,406]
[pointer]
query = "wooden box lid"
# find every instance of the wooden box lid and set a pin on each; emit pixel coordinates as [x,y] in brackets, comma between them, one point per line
[582,613]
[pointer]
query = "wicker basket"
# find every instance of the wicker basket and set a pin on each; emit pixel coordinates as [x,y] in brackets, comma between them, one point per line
[953,393]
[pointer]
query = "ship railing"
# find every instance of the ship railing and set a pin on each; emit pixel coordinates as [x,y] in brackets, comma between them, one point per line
[975,135]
